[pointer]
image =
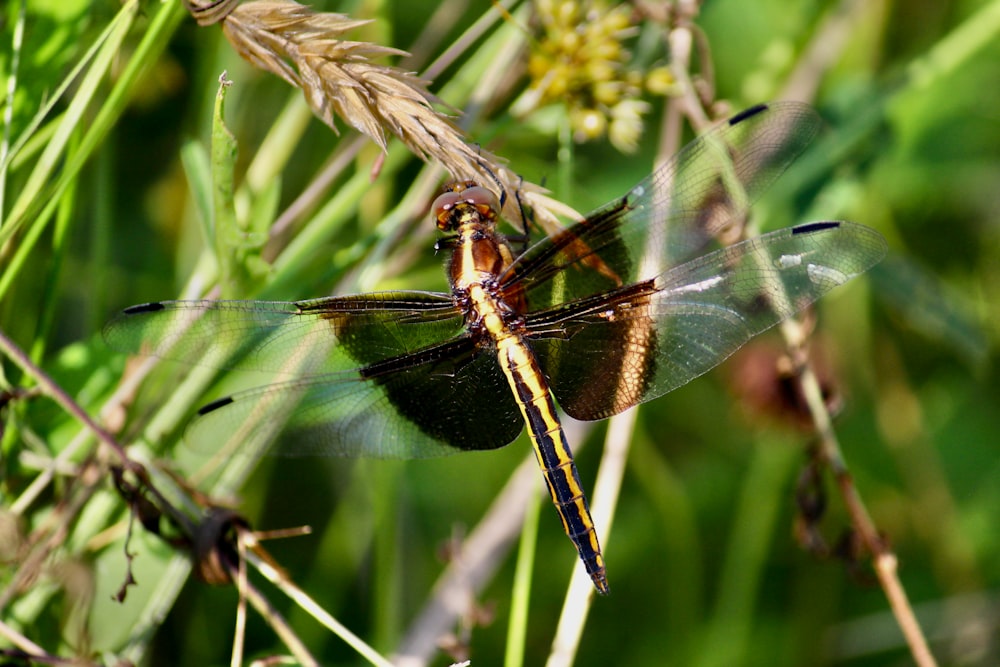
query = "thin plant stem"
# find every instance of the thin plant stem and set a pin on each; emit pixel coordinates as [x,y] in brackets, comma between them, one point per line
[19,640]
[17,42]
[239,635]
[521,592]
[580,594]
[884,560]
[69,511]
[311,607]
[477,560]
[830,38]
[51,389]
[82,438]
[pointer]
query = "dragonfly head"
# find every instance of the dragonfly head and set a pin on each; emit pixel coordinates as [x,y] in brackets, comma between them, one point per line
[463,202]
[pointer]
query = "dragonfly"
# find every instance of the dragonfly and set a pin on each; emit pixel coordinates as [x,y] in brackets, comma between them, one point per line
[634,300]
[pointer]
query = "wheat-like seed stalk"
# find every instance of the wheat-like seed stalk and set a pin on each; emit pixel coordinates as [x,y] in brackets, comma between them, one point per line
[341,78]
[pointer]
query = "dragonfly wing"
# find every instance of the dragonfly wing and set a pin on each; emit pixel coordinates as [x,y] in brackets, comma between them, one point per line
[436,401]
[294,338]
[655,336]
[673,214]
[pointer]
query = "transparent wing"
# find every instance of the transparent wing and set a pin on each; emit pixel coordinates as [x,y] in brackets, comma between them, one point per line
[436,401]
[295,338]
[632,344]
[389,375]
[669,217]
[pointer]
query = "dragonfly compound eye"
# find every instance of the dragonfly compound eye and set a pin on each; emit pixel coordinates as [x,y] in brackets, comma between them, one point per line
[448,207]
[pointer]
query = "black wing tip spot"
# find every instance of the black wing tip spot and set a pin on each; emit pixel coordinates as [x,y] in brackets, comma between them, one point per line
[152,307]
[214,405]
[747,113]
[811,227]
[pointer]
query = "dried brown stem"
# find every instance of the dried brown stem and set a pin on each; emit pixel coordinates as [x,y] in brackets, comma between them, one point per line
[883,559]
[802,84]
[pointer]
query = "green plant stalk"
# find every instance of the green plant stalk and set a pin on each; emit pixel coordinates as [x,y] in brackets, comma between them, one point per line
[226,232]
[470,81]
[36,136]
[278,145]
[67,204]
[517,627]
[101,239]
[198,172]
[237,239]
[564,159]
[318,232]
[730,628]
[958,46]
[153,43]
[388,584]
[35,189]
[177,407]
[419,193]
[17,43]
[684,553]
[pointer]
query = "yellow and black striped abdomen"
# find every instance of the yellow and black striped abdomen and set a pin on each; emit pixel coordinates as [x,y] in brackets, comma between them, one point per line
[552,452]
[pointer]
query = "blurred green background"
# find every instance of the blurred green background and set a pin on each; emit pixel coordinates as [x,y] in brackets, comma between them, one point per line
[703,562]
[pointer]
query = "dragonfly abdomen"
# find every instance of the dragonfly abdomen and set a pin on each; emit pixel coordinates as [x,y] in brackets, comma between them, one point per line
[555,459]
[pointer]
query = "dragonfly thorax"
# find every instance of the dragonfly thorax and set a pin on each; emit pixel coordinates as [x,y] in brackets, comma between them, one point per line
[480,255]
